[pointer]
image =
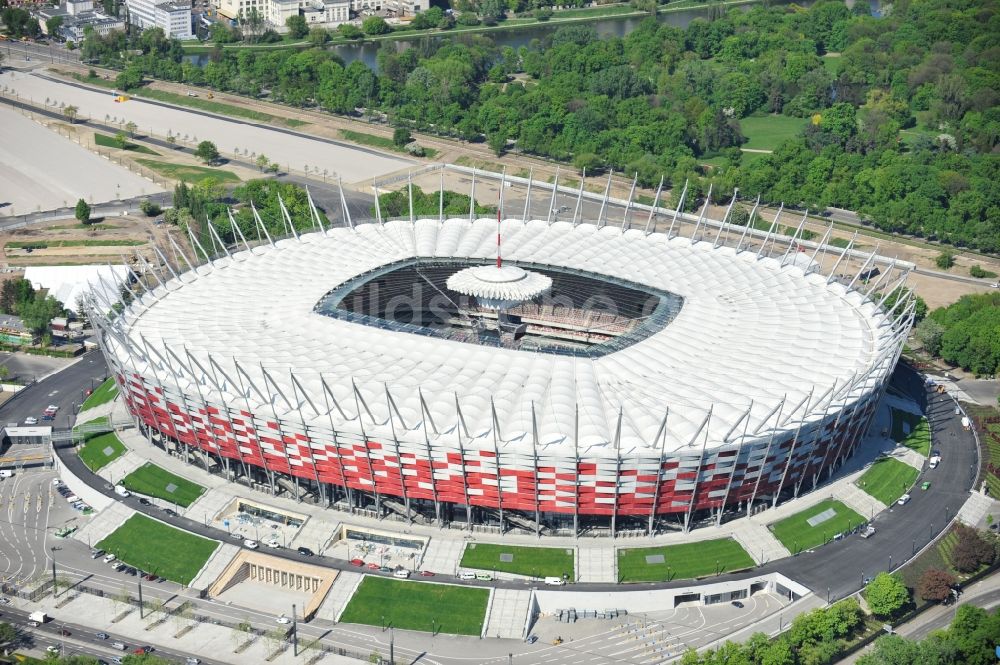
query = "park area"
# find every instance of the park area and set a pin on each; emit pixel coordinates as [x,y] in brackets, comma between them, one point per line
[158,548]
[912,431]
[100,450]
[767,132]
[151,480]
[816,526]
[104,393]
[530,561]
[432,608]
[685,561]
[887,479]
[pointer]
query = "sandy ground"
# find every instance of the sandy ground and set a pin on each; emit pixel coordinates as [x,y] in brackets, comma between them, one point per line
[40,169]
[352,164]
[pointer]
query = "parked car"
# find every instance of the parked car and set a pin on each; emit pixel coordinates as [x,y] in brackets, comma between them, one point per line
[31,420]
[305,551]
[926,485]
[484,577]
[250,544]
[868,531]
[373,566]
[903,500]
[101,636]
[237,536]
[401,573]
[97,554]
[109,558]
[737,604]
[283,620]
[170,511]
[143,501]
[65,633]
[358,562]
[426,573]
[531,639]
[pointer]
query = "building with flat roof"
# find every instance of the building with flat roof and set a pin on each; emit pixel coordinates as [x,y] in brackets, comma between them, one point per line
[322,13]
[12,331]
[174,18]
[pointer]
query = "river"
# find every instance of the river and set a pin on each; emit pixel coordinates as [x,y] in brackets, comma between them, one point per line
[517,37]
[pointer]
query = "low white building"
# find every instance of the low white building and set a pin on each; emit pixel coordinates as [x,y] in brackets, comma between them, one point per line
[327,13]
[322,13]
[69,284]
[174,18]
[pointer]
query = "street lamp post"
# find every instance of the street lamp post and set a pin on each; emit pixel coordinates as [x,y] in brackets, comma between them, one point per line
[55,588]
[295,633]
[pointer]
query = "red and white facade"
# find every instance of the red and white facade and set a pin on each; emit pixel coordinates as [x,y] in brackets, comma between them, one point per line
[765,382]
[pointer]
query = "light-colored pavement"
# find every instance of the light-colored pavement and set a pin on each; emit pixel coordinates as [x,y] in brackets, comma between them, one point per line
[973,512]
[41,170]
[287,149]
[508,613]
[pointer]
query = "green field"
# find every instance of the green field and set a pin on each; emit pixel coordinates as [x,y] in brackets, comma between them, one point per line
[888,479]
[380,142]
[189,174]
[94,451]
[533,561]
[919,436]
[158,548]
[217,107]
[432,608]
[689,560]
[112,142]
[767,132]
[796,534]
[104,393]
[151,480]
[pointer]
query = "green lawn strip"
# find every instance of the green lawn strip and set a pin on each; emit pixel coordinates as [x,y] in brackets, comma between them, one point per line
[767,132]
[112,142]
[533,561]
[110,84]
[216,107]
[381,142]
[685,561]
[42,244]
[104,393]
[158,548]
[418,606]
[946,545]
[152,480]
[95,451]
[189,173]
[887,479]
[796,534]
[831,62]
[920,438]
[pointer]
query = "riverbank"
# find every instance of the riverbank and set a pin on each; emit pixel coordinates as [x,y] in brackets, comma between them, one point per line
[559,18]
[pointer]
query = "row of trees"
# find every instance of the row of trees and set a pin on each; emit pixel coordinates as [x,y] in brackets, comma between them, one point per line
[902,126]
[965,333]
[36,310]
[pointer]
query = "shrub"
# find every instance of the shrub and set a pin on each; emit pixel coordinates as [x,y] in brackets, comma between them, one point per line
[349,31]
[886,595]
[978,272]
[375,25]
[935,584]
[150,208]
[401,136]
[945,260]
[82,212]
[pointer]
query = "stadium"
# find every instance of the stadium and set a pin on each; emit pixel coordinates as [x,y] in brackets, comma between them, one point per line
[602,378]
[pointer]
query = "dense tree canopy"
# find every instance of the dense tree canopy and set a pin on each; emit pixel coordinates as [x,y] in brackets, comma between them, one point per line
[902,121]
[966,333]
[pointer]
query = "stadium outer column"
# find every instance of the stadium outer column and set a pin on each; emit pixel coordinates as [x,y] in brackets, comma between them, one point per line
[659,469]
[795,443]
[767,455]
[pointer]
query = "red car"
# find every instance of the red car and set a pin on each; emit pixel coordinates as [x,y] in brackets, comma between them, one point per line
[426,573]
[373,566]
[357,562]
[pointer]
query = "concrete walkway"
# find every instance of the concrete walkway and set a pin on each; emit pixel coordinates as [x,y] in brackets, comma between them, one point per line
[759,542]
[508,613]
[216,564]
[975,509]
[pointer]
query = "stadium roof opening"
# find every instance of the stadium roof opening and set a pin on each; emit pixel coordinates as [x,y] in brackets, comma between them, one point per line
[583,313]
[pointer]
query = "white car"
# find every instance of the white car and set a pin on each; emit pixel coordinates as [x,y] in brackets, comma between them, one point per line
[52,407]
[283,619]
[401,573]
[31,420]
[273,544]
[250,544]
[903,500]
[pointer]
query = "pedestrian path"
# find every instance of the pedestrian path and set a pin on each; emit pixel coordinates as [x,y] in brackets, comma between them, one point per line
[316,534]
[758,541]
[213,568]
[508,613]
[121,467]
[975,508]
[103,524]
[858,500]
[339,595]
[95,412]
[442,555]
[911,457]
[596,563]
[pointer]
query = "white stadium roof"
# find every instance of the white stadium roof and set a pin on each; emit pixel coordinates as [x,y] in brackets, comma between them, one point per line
[68,284]
[749,330]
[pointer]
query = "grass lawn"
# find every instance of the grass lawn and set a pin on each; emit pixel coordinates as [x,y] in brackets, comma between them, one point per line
[151,480]
[217,107]
[104,393]
[831,62]
[689,560]
[99,451]
[111,142]
[912,431]
[158,548]
[796,534]
[767,132]
[534,561]
[188,173]
[888,479]
[417,606]
[110,84]
[380,142]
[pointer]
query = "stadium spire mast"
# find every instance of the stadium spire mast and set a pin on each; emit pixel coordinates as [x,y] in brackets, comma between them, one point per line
[499,212]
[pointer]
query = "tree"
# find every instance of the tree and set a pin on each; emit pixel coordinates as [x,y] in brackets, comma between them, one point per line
[971,551]
[37,314]
[252,24]
[172,140]
[935,584]
[886,595]
[275,638]
[262,162]
[318,36]
[350,31]
[82,212]
[497,141]
[7,633]
[375,25]
[130,127]
[401,136]
[52,25]
[945,260]
[207,152]
[929,333]
[70,112]
[121,140]
[297,27]
[150,208]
